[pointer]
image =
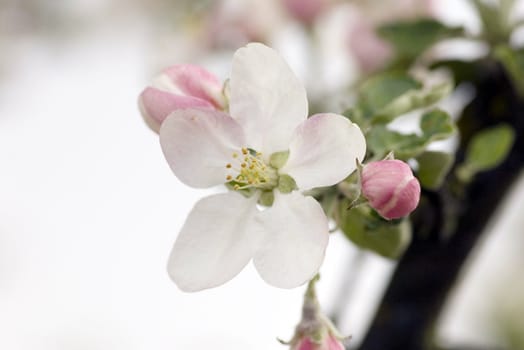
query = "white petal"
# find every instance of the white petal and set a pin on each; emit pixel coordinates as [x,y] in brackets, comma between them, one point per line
[215,243]
[267,99]
[295,236]
[198,144]
[324,150]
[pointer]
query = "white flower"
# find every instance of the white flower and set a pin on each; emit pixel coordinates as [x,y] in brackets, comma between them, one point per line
[264,144]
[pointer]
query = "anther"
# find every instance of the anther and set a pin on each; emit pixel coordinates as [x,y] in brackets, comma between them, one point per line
[228,165]
[229,178]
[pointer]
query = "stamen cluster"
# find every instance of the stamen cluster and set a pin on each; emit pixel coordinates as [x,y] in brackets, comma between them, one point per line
[251,171]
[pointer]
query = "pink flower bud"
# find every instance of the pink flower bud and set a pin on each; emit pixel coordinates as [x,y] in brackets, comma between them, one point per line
[180,86]
[305,10]
[391,188]
[328,343]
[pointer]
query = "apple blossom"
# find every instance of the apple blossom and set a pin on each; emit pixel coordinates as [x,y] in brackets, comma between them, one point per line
[180,86]
[390,187]
[266,151]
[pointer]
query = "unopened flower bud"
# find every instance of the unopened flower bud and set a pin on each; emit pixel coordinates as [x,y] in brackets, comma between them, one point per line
[315,331]
[390,188]
[179,87]
[330,342]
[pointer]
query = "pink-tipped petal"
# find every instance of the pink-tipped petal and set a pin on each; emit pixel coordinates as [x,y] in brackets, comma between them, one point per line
[391,188]
[156,104]
[198,144]
[196,81]
[324,150]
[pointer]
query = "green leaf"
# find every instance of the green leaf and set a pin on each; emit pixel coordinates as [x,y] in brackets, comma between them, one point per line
[486,150]
[435,125]
[381,141]
[389,95]
[433,168]
[412,38]
[379,91]
[413,100]
[367,230]
[513,62]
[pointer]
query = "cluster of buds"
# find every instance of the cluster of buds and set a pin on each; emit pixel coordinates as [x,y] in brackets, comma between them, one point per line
[315,331]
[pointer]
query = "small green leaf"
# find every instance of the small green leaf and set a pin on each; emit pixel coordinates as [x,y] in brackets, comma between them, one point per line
[513,62]
[435,125]
[487,150]
[386,96]
[412,38]
[379,91]
[381,141]
[413,100]
[433,168]
[367,230]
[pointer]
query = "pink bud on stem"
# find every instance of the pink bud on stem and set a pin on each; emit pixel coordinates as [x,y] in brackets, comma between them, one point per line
[390,188]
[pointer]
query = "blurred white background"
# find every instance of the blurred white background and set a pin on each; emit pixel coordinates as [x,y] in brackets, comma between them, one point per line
[89,209]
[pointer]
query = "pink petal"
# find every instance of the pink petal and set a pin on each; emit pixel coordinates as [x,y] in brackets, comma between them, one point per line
[195,81]
[156,104]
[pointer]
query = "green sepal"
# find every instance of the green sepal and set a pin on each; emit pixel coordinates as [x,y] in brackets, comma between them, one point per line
[364,227]
[278,159]
[433,168]
[286,184]
[266,198]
